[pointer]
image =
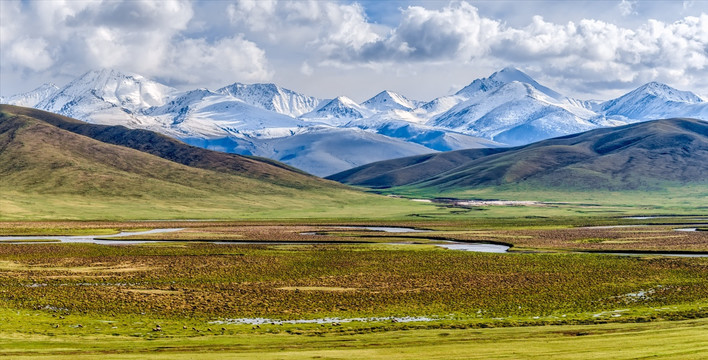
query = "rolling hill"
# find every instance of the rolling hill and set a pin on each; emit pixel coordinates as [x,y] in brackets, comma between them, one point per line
[641,156]
[56,167]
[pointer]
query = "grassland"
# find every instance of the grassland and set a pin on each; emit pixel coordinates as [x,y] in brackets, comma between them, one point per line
[672,199]
[161,300]
[77,300]
[669,339]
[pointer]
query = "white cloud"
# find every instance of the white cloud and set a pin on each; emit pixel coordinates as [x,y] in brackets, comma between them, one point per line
[197,61]
[31,53]
[590,51]
[321,26]
[150,37]
[627,7]
[456,32]
[306,69]
[303,44]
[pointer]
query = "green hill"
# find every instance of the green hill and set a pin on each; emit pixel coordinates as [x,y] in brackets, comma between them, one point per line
[651,155]
[53,167]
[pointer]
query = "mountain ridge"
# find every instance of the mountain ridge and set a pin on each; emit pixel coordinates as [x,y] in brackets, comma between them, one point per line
[506,108]
[635,156]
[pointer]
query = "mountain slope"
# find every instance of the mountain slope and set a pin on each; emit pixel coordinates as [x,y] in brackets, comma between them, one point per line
[33,97]
[653,100]
[108,97]
[321,150]
[337,112]
[273,98]
[637,156]
[168,148]
[206,114]
[50,172]
[502,77]
[409,170]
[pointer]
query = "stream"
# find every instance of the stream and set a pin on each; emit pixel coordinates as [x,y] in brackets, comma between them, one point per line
[92,239]
[452,245]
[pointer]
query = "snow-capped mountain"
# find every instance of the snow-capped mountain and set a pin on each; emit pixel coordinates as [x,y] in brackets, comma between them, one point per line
[203,113]
[338,111]
[33,97]
[391,124]
[108,97]
[504,109]
[653,101]
[388,100]
[273,98]
[328,136]
[502,77]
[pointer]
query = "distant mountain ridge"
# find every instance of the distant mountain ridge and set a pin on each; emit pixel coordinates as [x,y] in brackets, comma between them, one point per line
[506,108]
[642,155]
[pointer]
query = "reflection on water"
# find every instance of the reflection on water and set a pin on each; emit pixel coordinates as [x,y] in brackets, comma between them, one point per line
[388,229]
[92,239]
[477,247]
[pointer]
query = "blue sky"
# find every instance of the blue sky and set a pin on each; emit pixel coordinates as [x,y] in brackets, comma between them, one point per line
[422,49]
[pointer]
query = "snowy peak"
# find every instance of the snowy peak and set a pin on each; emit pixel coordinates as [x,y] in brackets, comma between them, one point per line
[33,97]
[341,107]
[510,74]
[388,100]
[666,93]
[272,97]
[129,91]
[651,101]
[180,103]
[501,78]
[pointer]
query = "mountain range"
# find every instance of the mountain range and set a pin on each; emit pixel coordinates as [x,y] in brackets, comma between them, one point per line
[326,136]
[640,156]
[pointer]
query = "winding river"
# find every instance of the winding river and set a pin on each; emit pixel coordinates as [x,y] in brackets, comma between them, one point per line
[452,245]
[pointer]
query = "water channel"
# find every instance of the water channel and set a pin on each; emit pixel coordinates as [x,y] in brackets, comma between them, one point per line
[452,245]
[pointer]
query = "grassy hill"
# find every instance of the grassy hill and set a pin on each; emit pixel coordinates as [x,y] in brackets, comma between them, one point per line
[55,167]
[648,156]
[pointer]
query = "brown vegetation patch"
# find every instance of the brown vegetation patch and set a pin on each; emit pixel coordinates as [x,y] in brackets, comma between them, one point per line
[316,288]
[121,268]
[153,291]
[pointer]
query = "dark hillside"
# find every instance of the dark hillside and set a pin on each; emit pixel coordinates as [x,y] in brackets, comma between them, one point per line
[636,156]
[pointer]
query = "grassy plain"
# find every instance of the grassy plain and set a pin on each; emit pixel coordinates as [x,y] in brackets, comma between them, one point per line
[86,300]
[668,339]
[161,300]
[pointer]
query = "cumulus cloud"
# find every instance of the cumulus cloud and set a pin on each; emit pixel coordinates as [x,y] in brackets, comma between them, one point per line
[456,31]
[321,26]
[587,50]
[150,37]
[31,53]
[208,44]
[195,60]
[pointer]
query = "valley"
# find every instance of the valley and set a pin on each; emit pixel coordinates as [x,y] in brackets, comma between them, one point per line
[353,179]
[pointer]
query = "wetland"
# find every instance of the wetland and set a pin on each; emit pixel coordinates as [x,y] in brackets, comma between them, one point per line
[218,279]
